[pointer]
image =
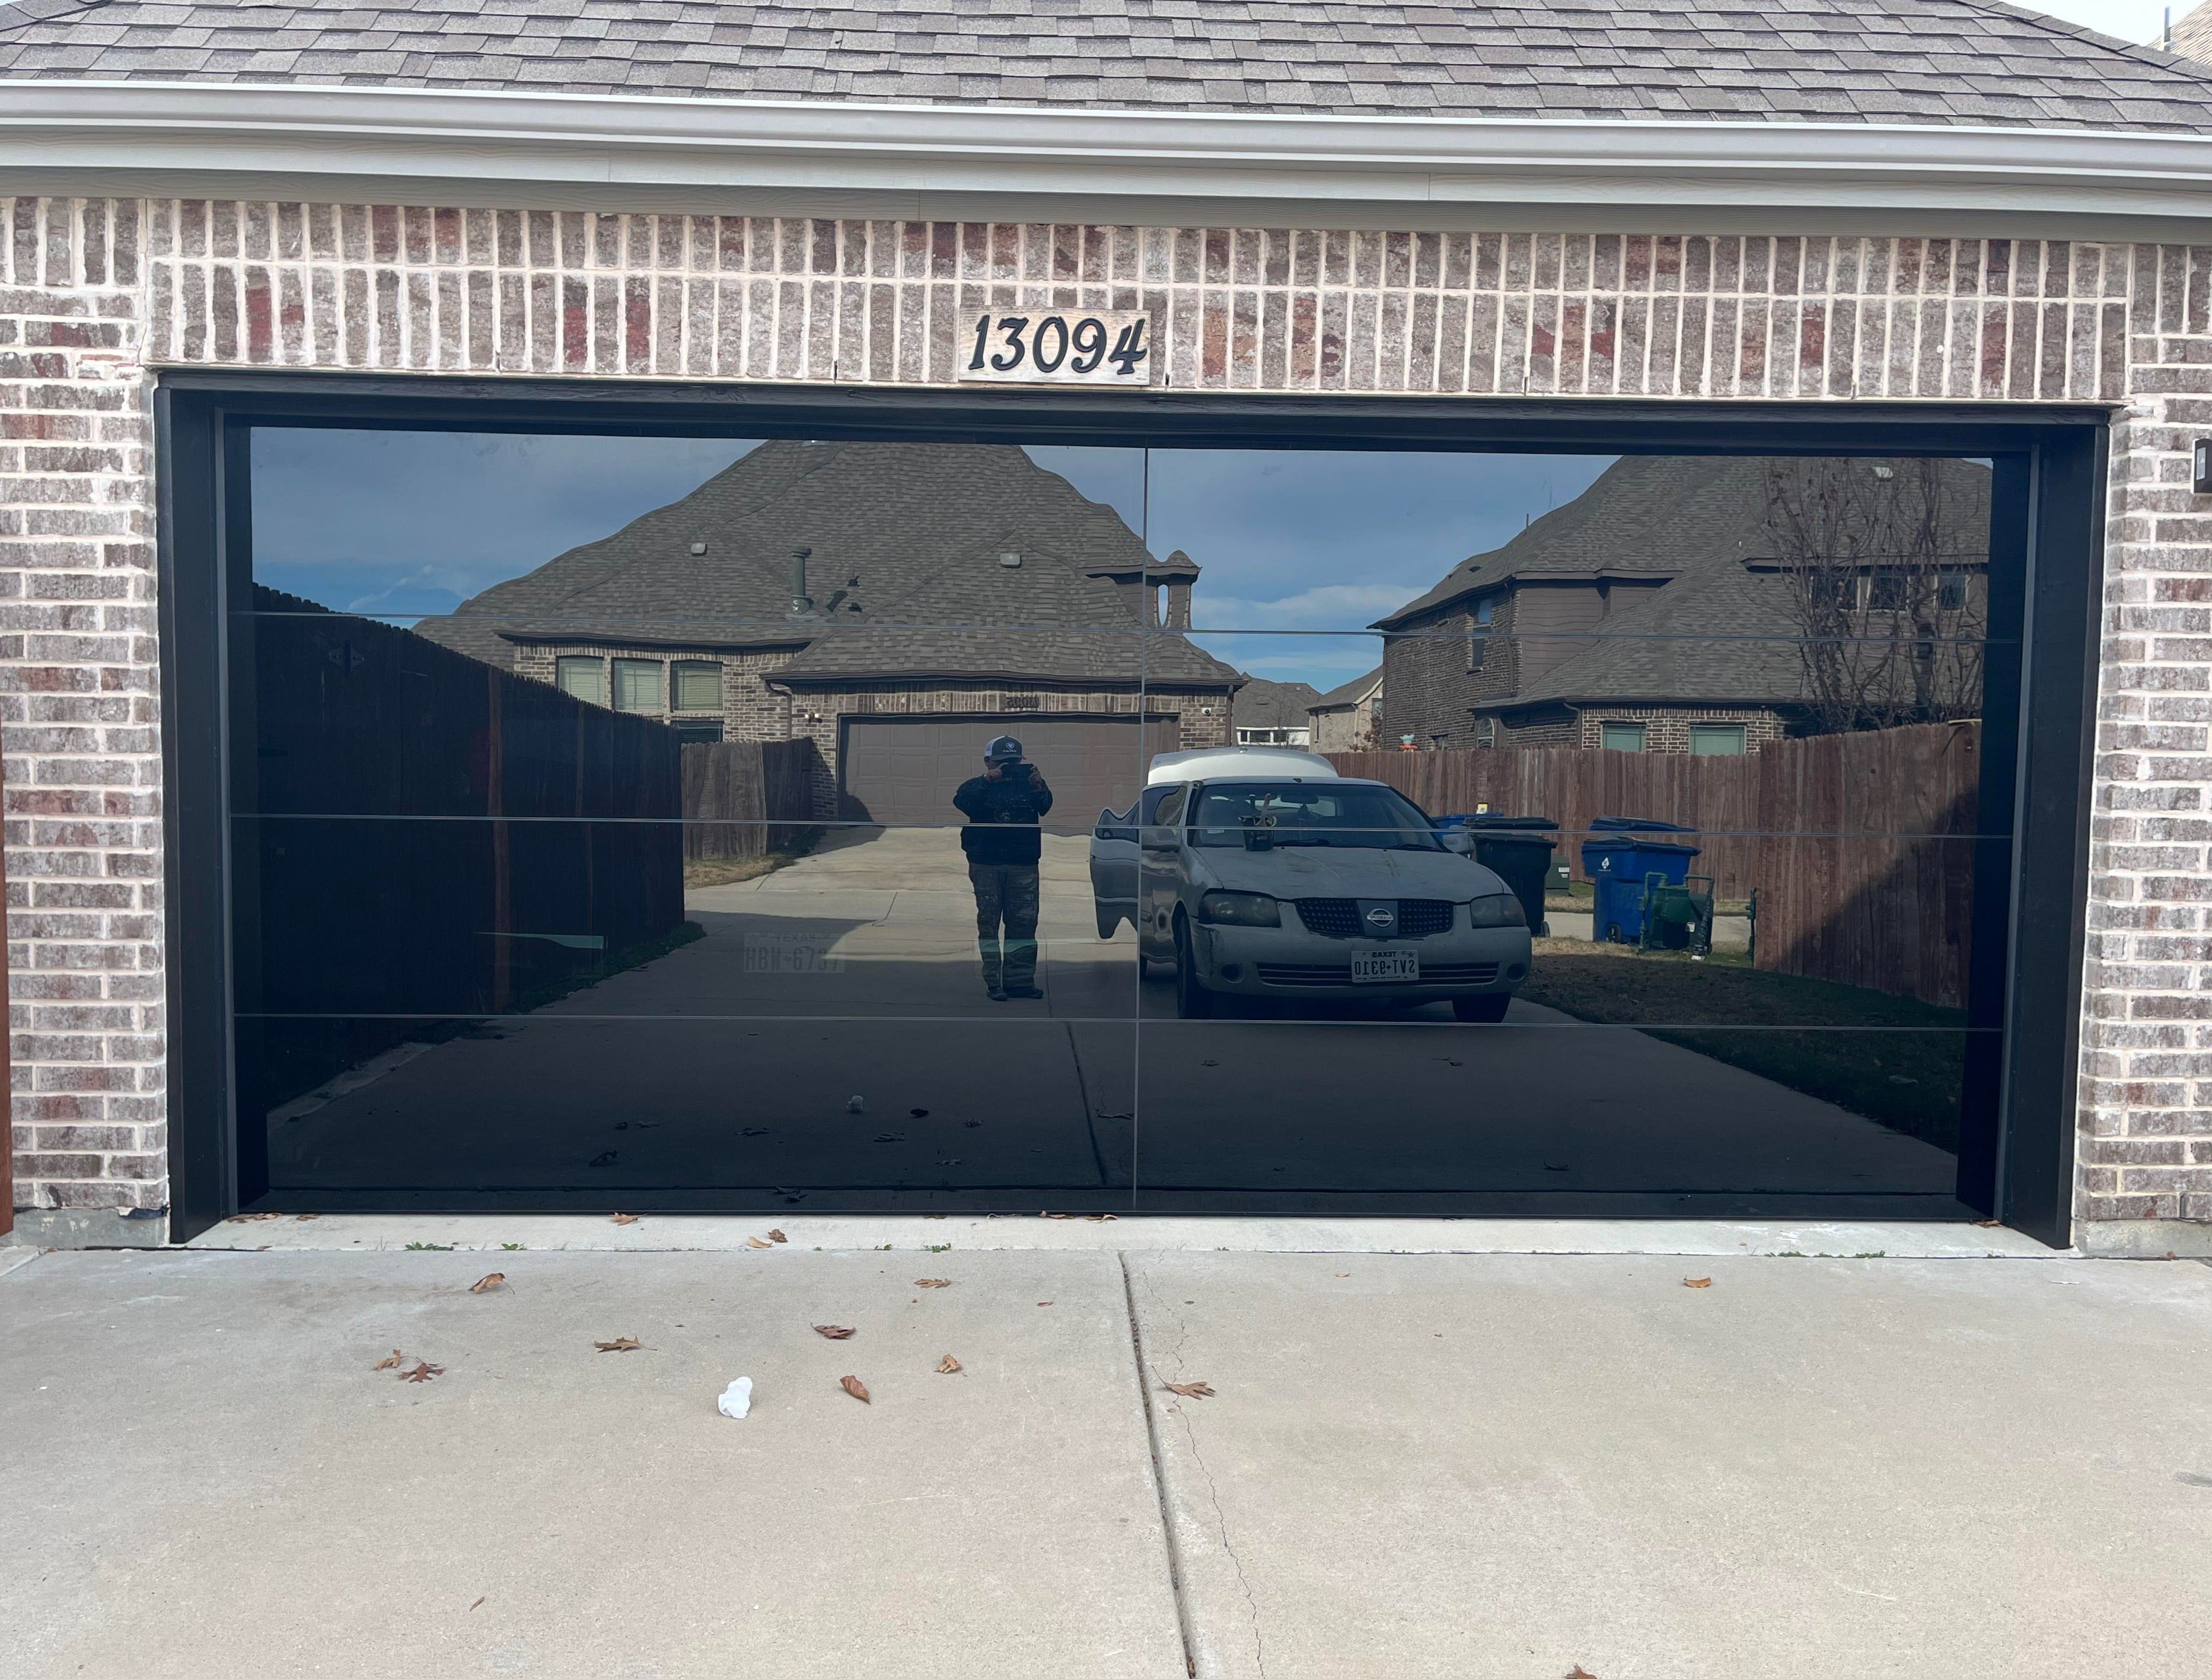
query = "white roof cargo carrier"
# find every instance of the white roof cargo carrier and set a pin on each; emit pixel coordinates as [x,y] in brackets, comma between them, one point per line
[1214,763]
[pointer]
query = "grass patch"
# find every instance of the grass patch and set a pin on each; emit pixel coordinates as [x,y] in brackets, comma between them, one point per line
[1909,1081]
[729,871]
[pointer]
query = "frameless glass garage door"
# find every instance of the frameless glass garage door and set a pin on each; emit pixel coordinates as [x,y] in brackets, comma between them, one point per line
[616,823]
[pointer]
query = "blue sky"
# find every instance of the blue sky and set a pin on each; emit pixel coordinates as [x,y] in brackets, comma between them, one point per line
[1295,547]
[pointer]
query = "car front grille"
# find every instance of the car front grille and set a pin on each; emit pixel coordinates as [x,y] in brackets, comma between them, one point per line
[1418,918]
[1321,974]
[1339,917]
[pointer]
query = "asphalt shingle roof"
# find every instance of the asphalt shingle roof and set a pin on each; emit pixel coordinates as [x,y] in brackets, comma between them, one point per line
[905,572]
[1261,704]
[1877,61]
[1350,693]
[1717,631]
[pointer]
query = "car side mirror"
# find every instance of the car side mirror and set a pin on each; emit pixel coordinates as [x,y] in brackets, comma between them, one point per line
[1457,839]
[1153,837]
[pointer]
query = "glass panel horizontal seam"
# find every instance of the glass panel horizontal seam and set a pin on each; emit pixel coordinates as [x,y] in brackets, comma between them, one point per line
[996,1022]
[1669,837]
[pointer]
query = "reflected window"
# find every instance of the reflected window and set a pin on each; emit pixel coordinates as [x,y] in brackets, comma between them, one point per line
[639,685]
[1951,592]
[583,679]
[1717,740]
[698,685]
[1267,816]
[1886,591]
[1621,737]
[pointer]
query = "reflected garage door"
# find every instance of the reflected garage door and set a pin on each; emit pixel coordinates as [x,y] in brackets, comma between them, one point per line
[901,771]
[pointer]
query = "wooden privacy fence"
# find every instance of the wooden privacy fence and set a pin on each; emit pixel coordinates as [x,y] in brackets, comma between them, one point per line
[1860,847]
[420,836]
[746,798]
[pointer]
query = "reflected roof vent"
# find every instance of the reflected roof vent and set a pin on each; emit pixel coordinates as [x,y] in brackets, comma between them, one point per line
[697,549]
[1010,561]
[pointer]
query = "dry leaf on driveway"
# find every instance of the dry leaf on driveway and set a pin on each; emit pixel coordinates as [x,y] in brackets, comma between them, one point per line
[1191,1390]
[856,1387]
[421,1372]
[1697,1282]
[932,1283]
[304,1217]
[948,1366]
[624,1344]
[777,1236]
[396,1359]
[625,1218]
[1580,1674]
[486,1283]
[251,1218]
[833,1331]
[756,1242]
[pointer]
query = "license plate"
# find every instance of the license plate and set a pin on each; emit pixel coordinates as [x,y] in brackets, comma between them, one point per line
[1387,966]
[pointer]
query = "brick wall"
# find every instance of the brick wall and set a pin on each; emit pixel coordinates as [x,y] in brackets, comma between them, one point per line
[77,689]
[96,295]
[1667,728]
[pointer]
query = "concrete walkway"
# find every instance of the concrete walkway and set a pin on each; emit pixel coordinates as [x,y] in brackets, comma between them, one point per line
[1492,1465]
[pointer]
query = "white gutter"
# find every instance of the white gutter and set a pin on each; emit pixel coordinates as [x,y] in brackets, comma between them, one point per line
[908,160]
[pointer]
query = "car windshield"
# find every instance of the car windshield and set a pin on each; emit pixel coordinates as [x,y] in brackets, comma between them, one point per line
[1355,817]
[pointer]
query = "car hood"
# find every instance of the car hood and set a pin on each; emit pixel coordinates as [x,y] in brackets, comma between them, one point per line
[1300,871]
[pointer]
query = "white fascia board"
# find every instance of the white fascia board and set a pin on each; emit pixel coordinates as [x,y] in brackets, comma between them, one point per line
[208,138]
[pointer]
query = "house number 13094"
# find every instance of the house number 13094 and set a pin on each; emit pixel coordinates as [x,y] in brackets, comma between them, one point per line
[1051,347]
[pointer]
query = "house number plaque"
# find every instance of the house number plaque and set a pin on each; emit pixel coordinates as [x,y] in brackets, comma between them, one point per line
[1059,346]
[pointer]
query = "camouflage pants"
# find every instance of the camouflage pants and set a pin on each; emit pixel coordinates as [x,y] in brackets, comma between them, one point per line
[1007,893]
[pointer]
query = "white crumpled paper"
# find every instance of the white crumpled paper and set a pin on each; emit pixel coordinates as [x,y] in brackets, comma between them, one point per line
[737,1398]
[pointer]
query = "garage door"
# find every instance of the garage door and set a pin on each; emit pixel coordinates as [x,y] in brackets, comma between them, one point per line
[900,771]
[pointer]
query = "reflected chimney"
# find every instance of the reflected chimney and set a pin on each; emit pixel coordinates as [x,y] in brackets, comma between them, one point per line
[801,602]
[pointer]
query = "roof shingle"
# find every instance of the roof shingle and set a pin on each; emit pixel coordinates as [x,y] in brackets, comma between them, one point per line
[1918,61]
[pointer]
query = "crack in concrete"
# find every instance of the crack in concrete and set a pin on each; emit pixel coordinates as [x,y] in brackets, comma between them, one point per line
[1197,1458]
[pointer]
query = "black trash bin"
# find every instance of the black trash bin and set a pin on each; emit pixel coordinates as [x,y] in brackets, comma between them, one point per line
[1515,847]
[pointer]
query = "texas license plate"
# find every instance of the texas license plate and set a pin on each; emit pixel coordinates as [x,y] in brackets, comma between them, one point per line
[1385,966]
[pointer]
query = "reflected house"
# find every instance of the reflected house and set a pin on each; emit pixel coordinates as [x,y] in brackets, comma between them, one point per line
[1707,606]
[896,604]
[1347,718]
[1274,714]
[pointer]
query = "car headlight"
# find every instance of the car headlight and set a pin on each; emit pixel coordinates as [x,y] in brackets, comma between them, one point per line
[1239,910]
[1502,910]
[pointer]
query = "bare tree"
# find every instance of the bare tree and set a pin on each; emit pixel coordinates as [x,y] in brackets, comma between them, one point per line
[1886,562]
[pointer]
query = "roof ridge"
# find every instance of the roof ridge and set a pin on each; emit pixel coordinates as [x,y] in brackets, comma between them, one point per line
[2141,51]
[17,14]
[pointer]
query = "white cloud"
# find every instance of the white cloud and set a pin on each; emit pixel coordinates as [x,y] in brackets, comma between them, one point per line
[1325,606]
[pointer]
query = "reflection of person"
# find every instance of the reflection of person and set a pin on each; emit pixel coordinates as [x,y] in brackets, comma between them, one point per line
[1003,844]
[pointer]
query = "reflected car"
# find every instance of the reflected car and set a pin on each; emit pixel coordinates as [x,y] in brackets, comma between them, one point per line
[1114,868]
[1320,889]
[1114,850]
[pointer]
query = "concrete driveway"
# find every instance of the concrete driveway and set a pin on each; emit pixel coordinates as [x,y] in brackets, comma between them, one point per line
[1498,1466]
[830,1032]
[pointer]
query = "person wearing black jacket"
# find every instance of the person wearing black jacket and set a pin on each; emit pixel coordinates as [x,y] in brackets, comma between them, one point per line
[1002,843]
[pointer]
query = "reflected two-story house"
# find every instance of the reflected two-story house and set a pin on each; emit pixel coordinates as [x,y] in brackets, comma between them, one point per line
[896,604]
[1707,606]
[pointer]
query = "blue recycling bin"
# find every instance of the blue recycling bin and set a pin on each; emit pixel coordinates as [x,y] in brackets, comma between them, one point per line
[1618,857]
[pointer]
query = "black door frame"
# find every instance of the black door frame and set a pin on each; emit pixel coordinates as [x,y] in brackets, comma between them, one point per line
[2031,896]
